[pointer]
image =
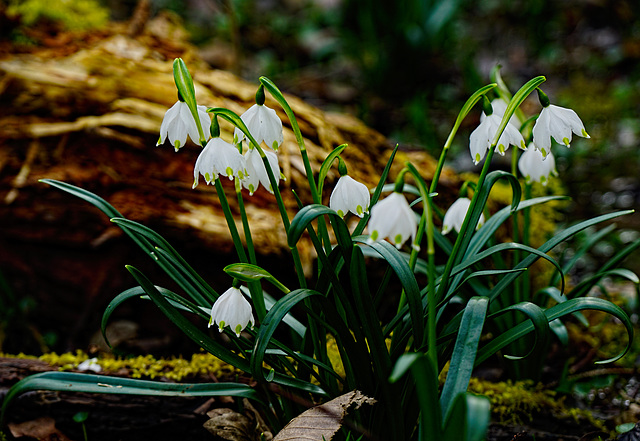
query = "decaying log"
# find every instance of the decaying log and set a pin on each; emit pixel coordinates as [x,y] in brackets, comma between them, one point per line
[91,117]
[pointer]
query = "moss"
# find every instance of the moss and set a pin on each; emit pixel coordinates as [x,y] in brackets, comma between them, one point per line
[71,15]
[174,368]
[521,401]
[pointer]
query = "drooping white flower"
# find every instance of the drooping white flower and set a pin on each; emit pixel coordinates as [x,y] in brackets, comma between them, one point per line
[263,124]
[393,218]
[534,166]
[481,138]
[233,310]
[557,122]
[219,158]
[178,123]
[90,364]
[499,106]
[257,172]
[349,195]
[454,217]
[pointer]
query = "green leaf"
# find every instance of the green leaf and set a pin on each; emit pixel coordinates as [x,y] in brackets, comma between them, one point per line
[139,292]
[309,213]
[271,321]
[426,387]
[464,352]
[592,239]
[466,108]
[555,312]
[289,319]
[175,259]
[252,273]
[101,384]
[400,266]
[205,341]
[471,220]
[559,237]
[514,104]
[326,165]
[184,83]
[540,325]
[376,193]
[554,294]
[469,418]
[585,285]
[140,235]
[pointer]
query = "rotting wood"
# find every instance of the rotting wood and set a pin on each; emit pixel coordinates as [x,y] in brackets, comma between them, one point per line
[94,114]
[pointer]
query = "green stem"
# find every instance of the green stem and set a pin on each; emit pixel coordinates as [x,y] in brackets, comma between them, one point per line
[234,119]
[255,287]
[526,238]
[427,218]
[465,231]
[295,127]
[233,230]
[517,287]
[473,99]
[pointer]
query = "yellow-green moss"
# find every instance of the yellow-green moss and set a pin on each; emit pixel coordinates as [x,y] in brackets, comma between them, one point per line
[72,15]
[175,368]
[519,402]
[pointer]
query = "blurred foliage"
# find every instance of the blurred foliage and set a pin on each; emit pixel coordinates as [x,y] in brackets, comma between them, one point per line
[69,15]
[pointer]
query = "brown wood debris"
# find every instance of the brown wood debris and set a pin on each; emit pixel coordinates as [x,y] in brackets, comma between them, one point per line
[91,117]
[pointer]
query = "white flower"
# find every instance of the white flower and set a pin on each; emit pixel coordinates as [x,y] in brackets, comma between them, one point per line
[263,124]
[349,195]
[178,123]
[219,158]
[482,136]
[233,310]
[90,364]
[454,217]
[557,122]
[257,172]
[393,218]
[534,166]
[499,106]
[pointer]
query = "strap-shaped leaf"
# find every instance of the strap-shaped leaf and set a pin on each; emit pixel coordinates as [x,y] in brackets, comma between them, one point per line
[511,246]
[414,299]
[271,321]
[187,91]
[555,312]
[558,238]
[206,342]
[309,213]
[186,326]
[471,220]
[540,323]
[469,418]
[585,285]
[376,193]
[139,292]
[101,384]
[488,230]
[464,352]
[178,262]
[326,165]
[426,387]
[590,241]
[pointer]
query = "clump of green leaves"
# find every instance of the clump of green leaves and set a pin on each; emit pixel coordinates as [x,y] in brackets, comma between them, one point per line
[70,15]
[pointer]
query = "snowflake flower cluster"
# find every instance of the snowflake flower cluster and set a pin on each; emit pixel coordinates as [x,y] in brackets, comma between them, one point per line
[391,218]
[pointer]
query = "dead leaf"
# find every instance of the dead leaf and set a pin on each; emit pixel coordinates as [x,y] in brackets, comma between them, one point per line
[231,426]
[42,429]
[322,422]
